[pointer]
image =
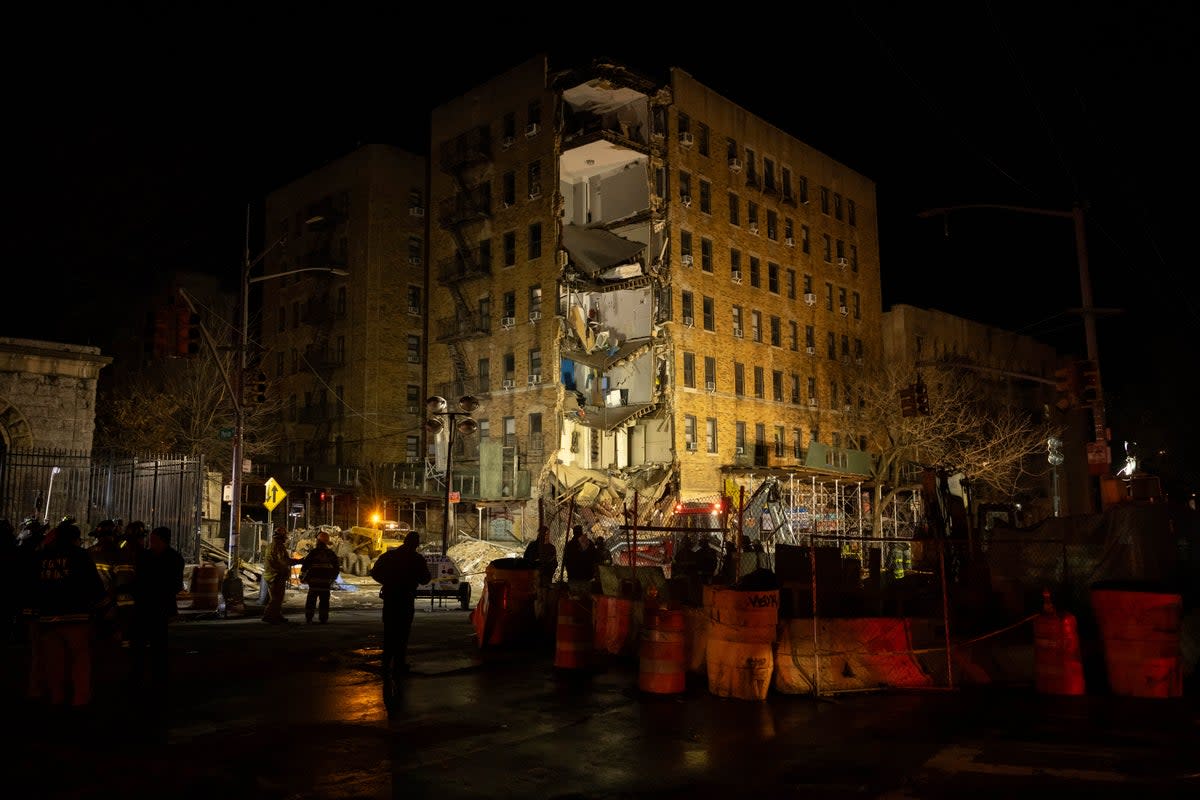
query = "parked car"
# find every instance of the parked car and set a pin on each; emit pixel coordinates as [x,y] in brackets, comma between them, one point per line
[447,581]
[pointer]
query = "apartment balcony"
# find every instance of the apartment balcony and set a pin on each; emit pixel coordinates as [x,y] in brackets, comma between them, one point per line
[467,149]
[467,326]
[457,268]
[464,207]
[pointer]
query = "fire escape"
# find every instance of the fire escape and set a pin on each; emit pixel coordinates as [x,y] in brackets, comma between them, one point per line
[320,312]
[470,205]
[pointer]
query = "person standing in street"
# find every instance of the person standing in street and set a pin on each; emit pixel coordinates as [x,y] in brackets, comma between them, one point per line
[158,583]
[277,570]
[319,569]
[400,571]
[65,593]
[579,561]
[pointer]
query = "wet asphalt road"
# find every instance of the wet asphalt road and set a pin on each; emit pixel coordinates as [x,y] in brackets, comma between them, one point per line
[295,711]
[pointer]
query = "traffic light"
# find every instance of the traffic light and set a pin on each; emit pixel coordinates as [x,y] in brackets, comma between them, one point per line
[258,390]
[187,332]
[908,401]
[921,397]
[1067,386]
[1089,382]
[160,333]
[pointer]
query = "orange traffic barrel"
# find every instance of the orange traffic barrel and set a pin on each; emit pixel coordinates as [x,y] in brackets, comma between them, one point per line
[661,653]
[1058,664]
[206,586]
[573,637]
[1141,634]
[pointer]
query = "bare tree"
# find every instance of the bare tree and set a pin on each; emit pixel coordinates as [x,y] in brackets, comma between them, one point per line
[970,428]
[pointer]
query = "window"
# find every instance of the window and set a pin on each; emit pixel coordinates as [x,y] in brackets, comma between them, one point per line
[808,284]
[854,258]
[535,361]
[756,325]
[535,179]
[841,250]
[759,387]
[535,240]
[658,121]
[414,349]
[341,302]
[739,379]
[414,250]
[828,246]
[282,318]
[689,431]
[710,314]
[735,262]
[858,349]
[689,370]
[485,313]
[295,314]
[535,299]
[706,254]
[754,271]
[845,346]
[685,187]
[414,298]
[810,336]
[789,232]
[797,436]
[824,200]
[685,243]
[740,436]
[710,371]
[794,337]
[785,185]
[804,237]
[837,206]
[841,296]
[833,394]
[710,434]
[509,304]
[686,305]
[295,360]
[857,299]
[684,122]
[752,215]
[776,332]
[779,442]
[737,319]
[535,113]
[802,185]
[508,125]
[483,372]
[510,430]
[731,149]
[851,213]
[831,345]
[760,440]
[829,297]
[769,175]
[508,188]
[772,277]
[702,135]
[279,364]
[772,226]
[706,197]
[510,249]
[791,284]
[412,396]
[795,388]
[733,209]
[751,169]
[777,385]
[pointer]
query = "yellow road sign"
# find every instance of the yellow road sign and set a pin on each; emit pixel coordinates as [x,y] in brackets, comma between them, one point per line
[274,494]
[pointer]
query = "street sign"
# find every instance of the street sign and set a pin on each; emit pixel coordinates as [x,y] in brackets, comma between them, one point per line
[226,434]
[274,494]
[455,497]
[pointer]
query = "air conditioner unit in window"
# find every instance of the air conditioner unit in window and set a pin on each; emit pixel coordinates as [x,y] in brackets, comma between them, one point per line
[416,211]
[753,227]
[534,316]
[736,276]
[686,259]
[845,311]
[689,322]
[507,141]
[846,409]
[414,409]
[790,242]
[414,311]
[415,260]
[691,447]
[843,263]
[414,358]
[710,386]
[686,199]
[535,191]
[535,378]
[741,451]
[810,298]
[735,164]
[685,138]
[812,351]
[737,333]
[812,402]
[508,384]
[508,322]
[532,129]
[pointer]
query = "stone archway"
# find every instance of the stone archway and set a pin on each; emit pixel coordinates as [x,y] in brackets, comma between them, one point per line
[15,433]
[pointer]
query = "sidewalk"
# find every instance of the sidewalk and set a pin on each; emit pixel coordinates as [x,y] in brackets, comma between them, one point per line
[350,592]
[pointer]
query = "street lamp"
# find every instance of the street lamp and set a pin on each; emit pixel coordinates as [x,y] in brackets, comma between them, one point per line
[441,418]
[239,381]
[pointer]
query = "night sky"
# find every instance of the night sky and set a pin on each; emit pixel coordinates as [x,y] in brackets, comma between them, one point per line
[140,139]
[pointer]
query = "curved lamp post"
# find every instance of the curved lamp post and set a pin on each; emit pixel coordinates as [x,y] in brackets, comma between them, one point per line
[239,379]
[441,418]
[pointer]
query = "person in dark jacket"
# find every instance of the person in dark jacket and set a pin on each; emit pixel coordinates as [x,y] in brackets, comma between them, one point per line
[542,555]
[158,583]
[400,571]
[579,560]
[65,593]
[319,569]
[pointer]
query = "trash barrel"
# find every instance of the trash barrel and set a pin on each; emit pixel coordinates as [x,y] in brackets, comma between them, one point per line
[1140,631]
